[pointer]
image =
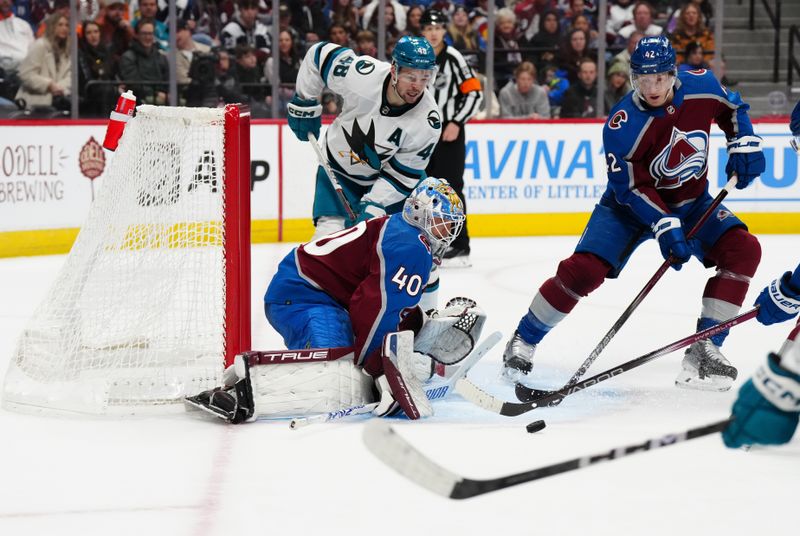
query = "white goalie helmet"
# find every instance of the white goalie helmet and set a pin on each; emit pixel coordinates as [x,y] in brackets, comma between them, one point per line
[435,208]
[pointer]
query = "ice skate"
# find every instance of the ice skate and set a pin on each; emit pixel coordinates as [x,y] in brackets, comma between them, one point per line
[517,358]
[456,258]
[705,368]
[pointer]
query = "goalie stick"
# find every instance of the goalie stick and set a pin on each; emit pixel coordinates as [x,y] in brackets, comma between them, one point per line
[434,393]
[533,398]
[648,287]
[400,455]
[331,177]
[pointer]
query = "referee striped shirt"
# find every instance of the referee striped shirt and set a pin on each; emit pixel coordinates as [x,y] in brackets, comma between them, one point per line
[456,90]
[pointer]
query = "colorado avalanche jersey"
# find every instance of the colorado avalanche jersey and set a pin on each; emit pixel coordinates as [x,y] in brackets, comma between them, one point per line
[371,142]
[657,158]
[375,270]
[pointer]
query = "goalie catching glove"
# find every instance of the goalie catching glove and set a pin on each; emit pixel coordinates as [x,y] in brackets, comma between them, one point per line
[449,335]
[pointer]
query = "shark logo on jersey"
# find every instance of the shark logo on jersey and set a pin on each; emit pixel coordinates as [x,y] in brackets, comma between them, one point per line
[683,159]
[362,146]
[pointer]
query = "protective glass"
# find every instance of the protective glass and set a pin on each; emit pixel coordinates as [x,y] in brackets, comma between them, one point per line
[653,83]
[419,77]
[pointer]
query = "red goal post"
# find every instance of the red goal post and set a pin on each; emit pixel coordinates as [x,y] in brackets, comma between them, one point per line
[237,226]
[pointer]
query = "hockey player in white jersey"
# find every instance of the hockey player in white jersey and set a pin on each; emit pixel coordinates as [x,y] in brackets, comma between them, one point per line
[380,144]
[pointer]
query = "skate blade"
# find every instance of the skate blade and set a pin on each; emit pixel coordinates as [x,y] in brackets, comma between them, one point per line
[457,262]
[512,375]
[691,380]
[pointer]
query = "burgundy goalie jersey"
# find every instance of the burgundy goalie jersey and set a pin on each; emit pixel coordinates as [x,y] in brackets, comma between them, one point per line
[375,270]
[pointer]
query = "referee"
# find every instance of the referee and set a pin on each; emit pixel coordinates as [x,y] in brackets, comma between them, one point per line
[458,93]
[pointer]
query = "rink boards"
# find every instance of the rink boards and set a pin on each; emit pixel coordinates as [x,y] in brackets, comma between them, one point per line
[521,178]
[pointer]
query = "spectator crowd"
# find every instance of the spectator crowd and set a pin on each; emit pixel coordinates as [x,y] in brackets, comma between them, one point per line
[545,51]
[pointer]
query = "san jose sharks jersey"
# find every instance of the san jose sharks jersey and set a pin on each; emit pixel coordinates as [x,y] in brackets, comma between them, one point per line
[657,158]
[371,142]
[375,270]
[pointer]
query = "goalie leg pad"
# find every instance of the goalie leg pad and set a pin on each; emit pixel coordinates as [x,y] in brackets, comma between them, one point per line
[403,374]
[295,389]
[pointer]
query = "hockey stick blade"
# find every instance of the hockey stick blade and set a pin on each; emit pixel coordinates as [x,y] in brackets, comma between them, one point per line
[553,398]
[489,402]
[433,393]
[400,455]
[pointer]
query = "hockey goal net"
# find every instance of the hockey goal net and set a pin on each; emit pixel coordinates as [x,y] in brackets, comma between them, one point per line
[154,297]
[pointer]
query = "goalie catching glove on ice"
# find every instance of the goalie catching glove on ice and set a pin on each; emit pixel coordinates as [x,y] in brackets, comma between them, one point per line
[289,383]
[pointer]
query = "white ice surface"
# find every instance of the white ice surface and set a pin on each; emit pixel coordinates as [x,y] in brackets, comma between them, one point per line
[181,475]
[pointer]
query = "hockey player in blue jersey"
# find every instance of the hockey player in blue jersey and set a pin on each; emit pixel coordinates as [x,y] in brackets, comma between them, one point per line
[656,142]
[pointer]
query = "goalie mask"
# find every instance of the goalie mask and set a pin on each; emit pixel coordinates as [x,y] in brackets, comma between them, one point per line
[435,209]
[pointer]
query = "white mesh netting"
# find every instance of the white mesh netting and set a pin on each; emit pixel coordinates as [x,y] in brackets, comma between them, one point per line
[136,317]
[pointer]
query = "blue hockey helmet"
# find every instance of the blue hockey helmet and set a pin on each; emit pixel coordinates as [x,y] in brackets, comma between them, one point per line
[414,53]
[435,208]
[653,55]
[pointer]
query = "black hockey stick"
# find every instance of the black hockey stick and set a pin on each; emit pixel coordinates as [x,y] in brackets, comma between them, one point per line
[536,399]
[648,287]
[401,456]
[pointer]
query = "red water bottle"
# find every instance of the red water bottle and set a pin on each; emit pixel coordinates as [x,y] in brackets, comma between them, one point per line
[116,123]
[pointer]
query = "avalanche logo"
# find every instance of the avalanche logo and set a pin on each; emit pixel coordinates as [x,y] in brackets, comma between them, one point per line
[615,122]
[425,242]
[723,214]
[684,159]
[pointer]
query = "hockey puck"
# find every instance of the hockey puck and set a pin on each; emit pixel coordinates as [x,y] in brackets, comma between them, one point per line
[535,426]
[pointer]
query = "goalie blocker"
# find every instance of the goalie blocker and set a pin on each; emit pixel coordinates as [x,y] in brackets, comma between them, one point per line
[290,383]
